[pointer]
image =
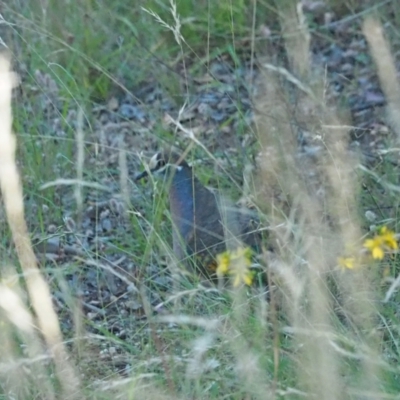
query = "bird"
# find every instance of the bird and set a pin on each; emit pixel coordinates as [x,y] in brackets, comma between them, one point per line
[205,223]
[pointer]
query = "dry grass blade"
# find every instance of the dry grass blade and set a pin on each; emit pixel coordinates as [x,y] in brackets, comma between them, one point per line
[71,182]
[380,50]
[80,161]
[124,174]
[18,321]
[314,212]
[13,200]
[295,32]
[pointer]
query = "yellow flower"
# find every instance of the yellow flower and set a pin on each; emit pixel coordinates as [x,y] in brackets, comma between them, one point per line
[375,247]
[389,238]
[223,261]
[384,240]
[347,262]
[246,277]
[237,263]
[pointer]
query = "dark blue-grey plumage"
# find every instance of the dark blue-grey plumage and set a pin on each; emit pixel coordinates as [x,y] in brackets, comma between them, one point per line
[204,224]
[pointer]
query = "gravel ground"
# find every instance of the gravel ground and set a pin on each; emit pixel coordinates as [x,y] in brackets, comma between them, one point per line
[89,246]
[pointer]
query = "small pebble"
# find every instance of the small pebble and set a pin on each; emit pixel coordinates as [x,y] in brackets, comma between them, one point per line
[370,216]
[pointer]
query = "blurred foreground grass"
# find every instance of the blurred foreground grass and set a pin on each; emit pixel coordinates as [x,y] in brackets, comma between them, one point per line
[324,332]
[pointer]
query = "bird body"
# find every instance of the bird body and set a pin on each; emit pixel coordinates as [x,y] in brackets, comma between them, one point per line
[204,224]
